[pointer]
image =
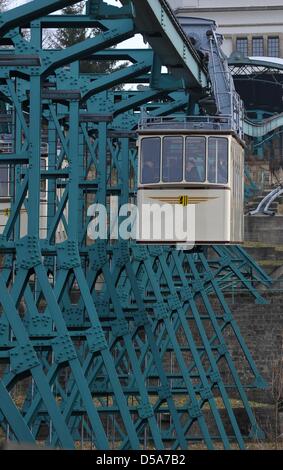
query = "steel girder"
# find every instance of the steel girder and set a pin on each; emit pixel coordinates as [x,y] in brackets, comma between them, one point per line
[104,345]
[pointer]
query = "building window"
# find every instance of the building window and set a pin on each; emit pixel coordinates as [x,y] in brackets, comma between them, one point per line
[195,159]
[172,159]
[217,160]
[242,46]
[258,47]
[273,47]
[150,160]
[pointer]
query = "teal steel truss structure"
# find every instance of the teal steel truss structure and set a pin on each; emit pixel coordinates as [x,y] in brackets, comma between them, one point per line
[106,344]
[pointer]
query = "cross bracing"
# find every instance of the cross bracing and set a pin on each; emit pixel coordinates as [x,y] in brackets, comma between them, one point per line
[106,345]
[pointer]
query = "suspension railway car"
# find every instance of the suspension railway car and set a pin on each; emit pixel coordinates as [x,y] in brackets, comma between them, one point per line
[200,164]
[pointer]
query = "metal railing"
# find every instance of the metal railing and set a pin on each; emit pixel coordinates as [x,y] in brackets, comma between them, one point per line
[264,205]
[202,123]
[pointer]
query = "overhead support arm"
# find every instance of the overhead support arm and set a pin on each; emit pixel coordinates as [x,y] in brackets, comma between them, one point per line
[89,46]
[138,100]
[119,76]
[132,55]
[94,11]
[157,23]
[21,15]
[180,101]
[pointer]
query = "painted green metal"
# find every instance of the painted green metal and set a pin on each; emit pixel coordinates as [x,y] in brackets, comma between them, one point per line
[163,32]
[106,345]
[22,15]
[251,65]
[265,127]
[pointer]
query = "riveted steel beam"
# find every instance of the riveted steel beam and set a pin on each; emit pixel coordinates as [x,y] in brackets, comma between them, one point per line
[156,21]
[21,15]
[106,344]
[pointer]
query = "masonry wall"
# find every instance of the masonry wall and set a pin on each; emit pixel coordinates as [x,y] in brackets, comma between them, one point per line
[264,229]
[262,328]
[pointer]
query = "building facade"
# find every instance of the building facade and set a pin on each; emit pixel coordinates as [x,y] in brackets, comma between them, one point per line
[250,27]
